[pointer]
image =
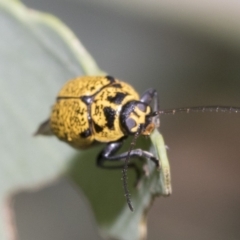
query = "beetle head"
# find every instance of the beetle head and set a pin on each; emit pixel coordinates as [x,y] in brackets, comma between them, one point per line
[137,114]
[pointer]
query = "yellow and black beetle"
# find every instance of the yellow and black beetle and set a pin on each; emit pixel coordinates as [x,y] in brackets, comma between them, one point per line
[98,109]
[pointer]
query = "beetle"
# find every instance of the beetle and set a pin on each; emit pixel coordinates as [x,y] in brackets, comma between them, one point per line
[102,109]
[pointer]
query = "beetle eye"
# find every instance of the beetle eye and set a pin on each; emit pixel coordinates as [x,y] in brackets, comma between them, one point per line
[130,123]
[142,107]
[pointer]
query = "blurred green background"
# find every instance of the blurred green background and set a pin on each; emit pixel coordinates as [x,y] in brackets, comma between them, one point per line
[190,52]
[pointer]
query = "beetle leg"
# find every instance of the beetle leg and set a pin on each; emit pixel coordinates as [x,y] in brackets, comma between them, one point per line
[108,155]
[149,96]
[134,153]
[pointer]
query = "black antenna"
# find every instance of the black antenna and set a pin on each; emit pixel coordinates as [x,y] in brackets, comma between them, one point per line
[125,168]
[198,109]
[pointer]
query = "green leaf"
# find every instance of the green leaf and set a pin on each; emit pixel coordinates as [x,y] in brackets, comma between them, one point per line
[38,54]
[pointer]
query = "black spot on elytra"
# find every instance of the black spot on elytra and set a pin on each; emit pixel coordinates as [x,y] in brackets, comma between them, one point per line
[118,98]
[110,78]
[109,114]
[98,129]
[117,85]
[86,133]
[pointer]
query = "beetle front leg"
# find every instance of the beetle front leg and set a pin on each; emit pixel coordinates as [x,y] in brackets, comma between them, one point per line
[108,154]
